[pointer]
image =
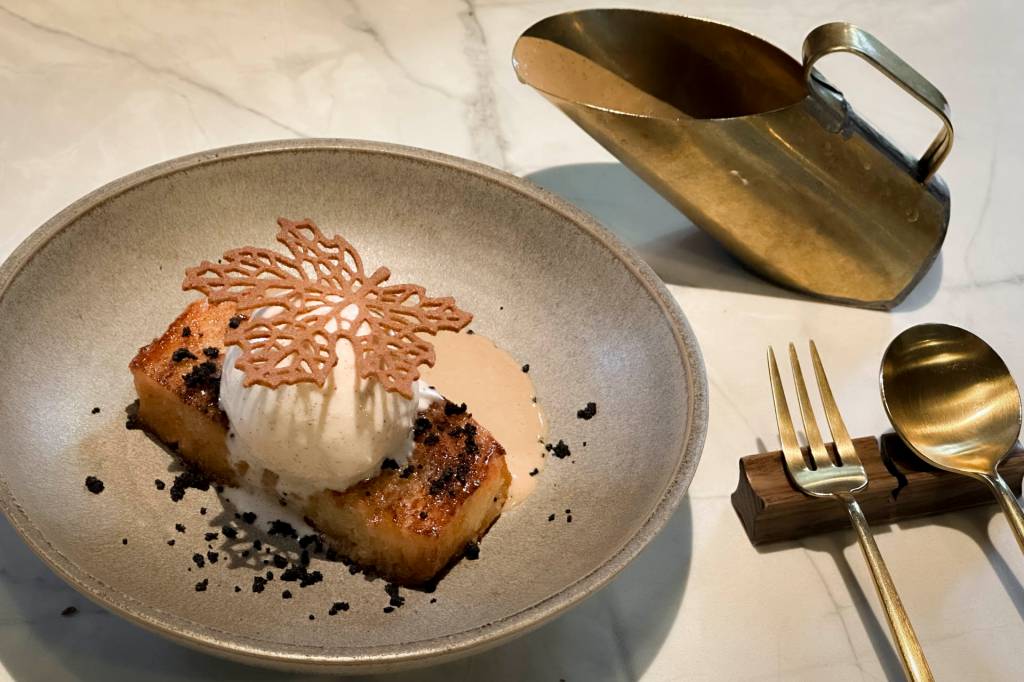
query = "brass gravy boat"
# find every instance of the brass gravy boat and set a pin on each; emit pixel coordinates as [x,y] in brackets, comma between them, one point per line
[755,148]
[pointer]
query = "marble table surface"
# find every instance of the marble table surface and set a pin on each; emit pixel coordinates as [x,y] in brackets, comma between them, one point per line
[92,91]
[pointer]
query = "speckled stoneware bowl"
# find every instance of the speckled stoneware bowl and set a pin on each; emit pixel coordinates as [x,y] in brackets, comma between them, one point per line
[554,288]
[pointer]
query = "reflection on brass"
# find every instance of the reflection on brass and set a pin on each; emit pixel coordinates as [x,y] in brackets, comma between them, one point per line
[954,402]
[822,477]
[759,151]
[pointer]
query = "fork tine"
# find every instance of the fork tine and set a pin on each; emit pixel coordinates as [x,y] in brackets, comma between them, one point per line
[844,446]
[790,445]
[818,451]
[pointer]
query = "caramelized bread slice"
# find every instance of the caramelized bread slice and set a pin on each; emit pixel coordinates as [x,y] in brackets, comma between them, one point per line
[407,524]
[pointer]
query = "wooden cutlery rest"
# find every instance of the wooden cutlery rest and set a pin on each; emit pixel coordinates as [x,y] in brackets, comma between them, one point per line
[900,486]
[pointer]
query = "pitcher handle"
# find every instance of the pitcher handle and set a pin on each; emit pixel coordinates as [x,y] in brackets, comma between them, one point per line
[840,36]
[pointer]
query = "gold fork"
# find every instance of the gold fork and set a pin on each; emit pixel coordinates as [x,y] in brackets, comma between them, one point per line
[823,477]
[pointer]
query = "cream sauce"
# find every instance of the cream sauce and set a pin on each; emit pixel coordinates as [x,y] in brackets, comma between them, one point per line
[471,369]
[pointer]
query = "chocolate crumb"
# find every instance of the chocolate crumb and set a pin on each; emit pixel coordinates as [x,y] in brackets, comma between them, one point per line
[212,557]
[237,588]
[338,606]
[203,376]
[229,532]
[210,537]
[188,479]
[433,600]
[304,557]
[470,331]
[280,561]
[587,412]
[249,517]
[560,450]
[258,584]
[420,426]
[568,519]
[182,354]
[257,544]
[534,471]
[93,485]
[312,617]
[389,609]
[388,463]
[186,332]
[472,551]
[236,321]
[568,511]
[551,518]
[201,585]
[526,368]
[69,611]
[245,554]
[170,542]
[270,575]
[95,410]
[287,594]
[534,400]
[160,485]
[584,443]
[282,528]
[199,560]
[180,527]
[211,352]
[423,515]
[432,439]
[124,541]
[407,471]
[451,409]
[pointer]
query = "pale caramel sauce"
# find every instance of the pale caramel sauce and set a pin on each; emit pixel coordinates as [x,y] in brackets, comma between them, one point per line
[471,369]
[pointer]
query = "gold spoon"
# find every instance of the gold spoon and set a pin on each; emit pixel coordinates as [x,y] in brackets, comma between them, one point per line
[953,401]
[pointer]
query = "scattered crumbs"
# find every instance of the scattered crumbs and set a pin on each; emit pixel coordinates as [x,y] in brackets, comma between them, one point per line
[199,560]
[433,600]
[93,485]
[282,528]
[69,611]
[584,443]
[184,481]
[338,606]
[160,485]
[201,585]
[171,542]
[205,375]
[501,307]
[212,557]
[388,463]
[312,617]
[270,575]
[202,511]
[249,517]
[186,332]
[183,354]
[237,588]
[451,409]
[211,536]
[470,331]
[560,450]
[95,410]
[472,551]
[258,583]
[407,471]
[534,471]
[568,511]
[280,561]
[587,412]
[229,532]
[551,517]
[124,541]
[180,527]
[211,352]
[568,519]
[389,609]
[287,594]
[245,554]
[526,368]
[257,544]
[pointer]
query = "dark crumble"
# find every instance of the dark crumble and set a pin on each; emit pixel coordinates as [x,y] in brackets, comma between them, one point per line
[421,426]
[568,519]
[534,471]
[301,575]
[186,332]
[282,529]
[190,478]
[423,515]
[237,588]
[451,409]
[199,560]
[211,352]
[205,375]
[280,562]
[212,556]
[389,609]
[312,617]
[259,583]
[388,463]
[433,600]
[551,518]
[407,471]
[396,599]
[93,485]
[170,543]
[304,557]
[470,331]
[124,541]
[287,594]
[257,544]
[202,511]
[236,321]
[472,551]
[160,485]
[183,354]
[180,527]
[560,450]
[338,606]
[249,517]
[432,439]
[95,410]
[526,368]
[201,585]
[69,611]
[270,575]
[587,412]
[534,400]
[211,536]
[229,532]
[584,443]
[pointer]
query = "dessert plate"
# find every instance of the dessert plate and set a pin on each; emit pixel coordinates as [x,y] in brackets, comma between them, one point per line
[543,279]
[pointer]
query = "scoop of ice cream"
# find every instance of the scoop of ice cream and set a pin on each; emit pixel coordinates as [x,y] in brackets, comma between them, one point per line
[316,437]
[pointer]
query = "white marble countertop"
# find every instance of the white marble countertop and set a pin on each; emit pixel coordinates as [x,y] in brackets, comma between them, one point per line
[92,91]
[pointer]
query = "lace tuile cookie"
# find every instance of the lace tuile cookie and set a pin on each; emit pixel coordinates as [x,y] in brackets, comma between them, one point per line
[312,299]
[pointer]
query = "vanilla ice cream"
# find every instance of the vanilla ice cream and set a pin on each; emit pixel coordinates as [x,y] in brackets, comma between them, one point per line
[316,437]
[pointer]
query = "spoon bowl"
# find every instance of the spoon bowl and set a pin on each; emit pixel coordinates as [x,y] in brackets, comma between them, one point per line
[952,399]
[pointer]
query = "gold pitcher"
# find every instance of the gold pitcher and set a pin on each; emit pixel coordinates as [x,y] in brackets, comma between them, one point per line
[758,150]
